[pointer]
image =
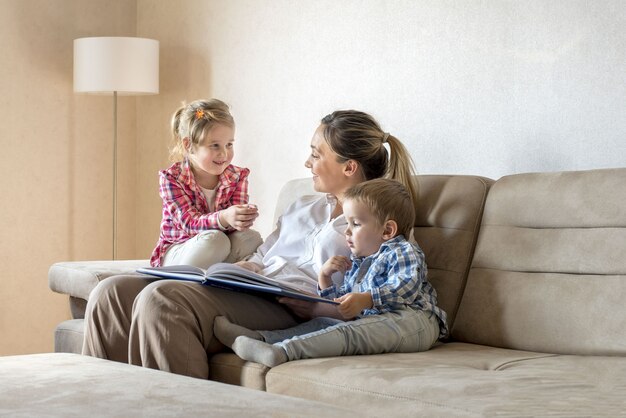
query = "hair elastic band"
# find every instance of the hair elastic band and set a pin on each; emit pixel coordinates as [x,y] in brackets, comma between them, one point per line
[385,137]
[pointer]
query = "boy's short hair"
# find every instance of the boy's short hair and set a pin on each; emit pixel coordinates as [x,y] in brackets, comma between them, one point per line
[388,200]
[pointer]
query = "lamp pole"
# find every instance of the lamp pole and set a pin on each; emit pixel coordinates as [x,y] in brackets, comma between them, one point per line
[115,175]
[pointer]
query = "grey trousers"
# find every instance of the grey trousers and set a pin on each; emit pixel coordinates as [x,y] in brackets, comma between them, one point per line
[401,331]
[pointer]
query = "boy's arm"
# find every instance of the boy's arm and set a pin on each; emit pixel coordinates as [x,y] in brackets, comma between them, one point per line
[336,263]
[406,271]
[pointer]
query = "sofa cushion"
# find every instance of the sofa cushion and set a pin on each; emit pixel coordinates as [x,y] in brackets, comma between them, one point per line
[68,336]
[457,379]
[446,227]
[78,278]
[549,271]
[70,385]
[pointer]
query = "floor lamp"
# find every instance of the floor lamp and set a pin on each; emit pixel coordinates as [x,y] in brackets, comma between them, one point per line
[117,66]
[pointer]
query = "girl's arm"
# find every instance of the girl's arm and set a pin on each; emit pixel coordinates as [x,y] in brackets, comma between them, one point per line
[240,195]
[181,207]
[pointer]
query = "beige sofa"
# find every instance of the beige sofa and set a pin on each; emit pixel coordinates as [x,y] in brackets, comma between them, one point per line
[532,272]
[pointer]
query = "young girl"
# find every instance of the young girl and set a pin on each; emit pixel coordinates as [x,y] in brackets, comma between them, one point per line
[206,215]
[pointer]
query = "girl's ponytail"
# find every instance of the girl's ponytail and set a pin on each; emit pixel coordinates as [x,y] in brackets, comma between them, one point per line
[177,149]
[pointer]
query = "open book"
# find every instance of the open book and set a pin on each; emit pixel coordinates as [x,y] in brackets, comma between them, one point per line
[233,277]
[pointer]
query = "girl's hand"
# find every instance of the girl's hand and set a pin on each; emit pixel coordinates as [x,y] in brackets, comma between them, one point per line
[249,265]
[336,263]
[353,304]
[239,217]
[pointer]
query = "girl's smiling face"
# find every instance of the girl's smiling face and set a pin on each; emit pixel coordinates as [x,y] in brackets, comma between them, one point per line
[212,155]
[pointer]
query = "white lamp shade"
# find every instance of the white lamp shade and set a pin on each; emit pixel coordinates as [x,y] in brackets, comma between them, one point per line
[116,64]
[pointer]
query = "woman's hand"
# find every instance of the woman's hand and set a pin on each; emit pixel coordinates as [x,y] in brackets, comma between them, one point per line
[353,304]
[301,308]
[249,265]
[307,310]
[239,217]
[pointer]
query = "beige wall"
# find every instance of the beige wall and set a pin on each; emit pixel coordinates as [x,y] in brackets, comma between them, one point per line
[56,156]
[475,87]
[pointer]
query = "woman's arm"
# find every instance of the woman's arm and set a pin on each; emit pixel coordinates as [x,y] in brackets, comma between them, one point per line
[309,310]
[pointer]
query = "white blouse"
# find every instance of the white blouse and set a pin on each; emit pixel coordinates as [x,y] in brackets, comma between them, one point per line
[305,237]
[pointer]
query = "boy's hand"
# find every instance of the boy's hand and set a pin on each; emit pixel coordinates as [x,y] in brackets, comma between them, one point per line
[239,217]
[335,263]
[249,265]
[353,304]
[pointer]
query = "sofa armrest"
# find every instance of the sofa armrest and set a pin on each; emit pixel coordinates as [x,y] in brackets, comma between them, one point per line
[78,278]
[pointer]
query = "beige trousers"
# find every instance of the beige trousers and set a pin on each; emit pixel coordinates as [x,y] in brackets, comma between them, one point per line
[168,324]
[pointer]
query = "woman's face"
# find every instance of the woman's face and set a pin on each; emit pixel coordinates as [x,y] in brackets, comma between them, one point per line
[328,173]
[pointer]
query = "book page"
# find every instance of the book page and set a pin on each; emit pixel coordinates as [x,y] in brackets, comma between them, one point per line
[233,272]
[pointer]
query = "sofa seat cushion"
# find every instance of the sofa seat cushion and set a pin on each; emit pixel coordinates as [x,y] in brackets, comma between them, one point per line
[78,278]
[71,385]
[228,368]
[457,379]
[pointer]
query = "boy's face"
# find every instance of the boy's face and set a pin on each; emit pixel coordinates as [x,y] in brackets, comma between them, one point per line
[364,233]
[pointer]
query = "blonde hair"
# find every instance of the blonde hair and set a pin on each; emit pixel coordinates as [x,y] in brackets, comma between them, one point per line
[387,200]
[194,120]
[355,135]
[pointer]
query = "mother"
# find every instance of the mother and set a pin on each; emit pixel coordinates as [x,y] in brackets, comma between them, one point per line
[168,324]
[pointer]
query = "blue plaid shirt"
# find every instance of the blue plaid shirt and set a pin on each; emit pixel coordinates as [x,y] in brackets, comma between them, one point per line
[395,276]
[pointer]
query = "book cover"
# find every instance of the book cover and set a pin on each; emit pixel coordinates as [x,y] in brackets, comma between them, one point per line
[233,277]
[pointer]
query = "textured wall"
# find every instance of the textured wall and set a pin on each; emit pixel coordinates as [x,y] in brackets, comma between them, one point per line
[473,87]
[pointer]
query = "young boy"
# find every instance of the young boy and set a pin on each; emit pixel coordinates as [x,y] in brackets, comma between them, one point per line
[386,301]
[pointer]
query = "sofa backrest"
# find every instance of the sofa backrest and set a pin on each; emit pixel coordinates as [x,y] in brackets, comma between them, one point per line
[549,271]
[446,227]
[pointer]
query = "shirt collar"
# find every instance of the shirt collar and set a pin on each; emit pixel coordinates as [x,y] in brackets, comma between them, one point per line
[383,247]
[331,199]
[186,175]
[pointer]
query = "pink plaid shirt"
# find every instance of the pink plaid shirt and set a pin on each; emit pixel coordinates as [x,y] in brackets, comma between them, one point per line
[185,208]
